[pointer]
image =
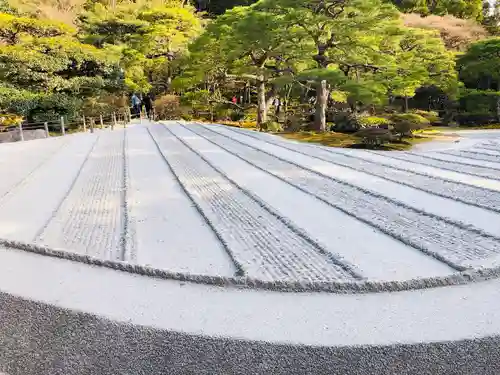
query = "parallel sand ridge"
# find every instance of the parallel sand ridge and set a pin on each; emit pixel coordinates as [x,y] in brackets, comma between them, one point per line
[212,201]
[227,207]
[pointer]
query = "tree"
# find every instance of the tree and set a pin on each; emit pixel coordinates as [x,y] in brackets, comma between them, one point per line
[346,34]
[421,59]
[251,44]
[405,123]
[44,62]
[150,37]
[479,67]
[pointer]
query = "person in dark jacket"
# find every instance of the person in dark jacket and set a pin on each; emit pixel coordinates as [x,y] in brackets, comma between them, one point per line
[148,105]
[136,105]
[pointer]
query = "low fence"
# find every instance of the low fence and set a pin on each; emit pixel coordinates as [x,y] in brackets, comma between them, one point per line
[38,130]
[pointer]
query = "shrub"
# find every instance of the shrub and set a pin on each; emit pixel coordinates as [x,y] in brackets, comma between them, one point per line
[9,119]
[250,114]
[478,107]
[272,126]
[373,121]
[431,116]
[237,115]
[346,123]
[405,123]
[294,123]
[374,137]
[167,107]
[475,118]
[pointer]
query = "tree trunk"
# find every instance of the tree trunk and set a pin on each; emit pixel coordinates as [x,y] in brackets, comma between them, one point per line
[321,104]
[261,103]
[405,108]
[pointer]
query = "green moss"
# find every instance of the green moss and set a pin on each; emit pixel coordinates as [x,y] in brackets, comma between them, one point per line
[333,139]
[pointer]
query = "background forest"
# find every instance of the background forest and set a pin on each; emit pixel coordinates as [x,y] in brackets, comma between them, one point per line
[345,65]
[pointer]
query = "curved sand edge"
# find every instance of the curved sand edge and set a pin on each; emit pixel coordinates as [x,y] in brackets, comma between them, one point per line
[319,319]
[458,278]
[70,343]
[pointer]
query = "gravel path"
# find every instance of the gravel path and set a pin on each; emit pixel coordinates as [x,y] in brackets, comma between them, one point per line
[448,241]
[167,228]
[89,218]
[261,244]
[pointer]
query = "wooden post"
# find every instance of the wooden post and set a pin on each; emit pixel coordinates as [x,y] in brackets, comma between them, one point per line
[63,131]
[91,125]
[46,126]
[84,125]
[102,123]
[114,123]
[21,131]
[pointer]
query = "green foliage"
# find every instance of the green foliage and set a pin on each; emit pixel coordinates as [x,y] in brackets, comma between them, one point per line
[38,106]
[14,29]
[373,121]
[479,101]
[431,116]
[478,107]
[374,137]
[405,123]
[151,38]
[346,122]
[272,126]
[58,64]
[481,62]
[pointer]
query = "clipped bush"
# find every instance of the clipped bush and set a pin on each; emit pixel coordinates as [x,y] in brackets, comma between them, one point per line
[405,123]
[374,137]
[272,126]
[373,121]
[222,113]
[294,123]
[346,122]
[479,105]
[431,116]
[237,115]
[250,114]
[167,107]
[475,118]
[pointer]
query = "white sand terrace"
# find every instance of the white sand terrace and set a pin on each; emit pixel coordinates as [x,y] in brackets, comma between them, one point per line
[211,200]
[216,201]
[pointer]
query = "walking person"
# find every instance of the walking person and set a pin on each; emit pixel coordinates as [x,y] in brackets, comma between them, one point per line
[148,105]
[136,105]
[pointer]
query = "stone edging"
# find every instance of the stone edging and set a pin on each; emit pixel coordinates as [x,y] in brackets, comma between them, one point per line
[357,287]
